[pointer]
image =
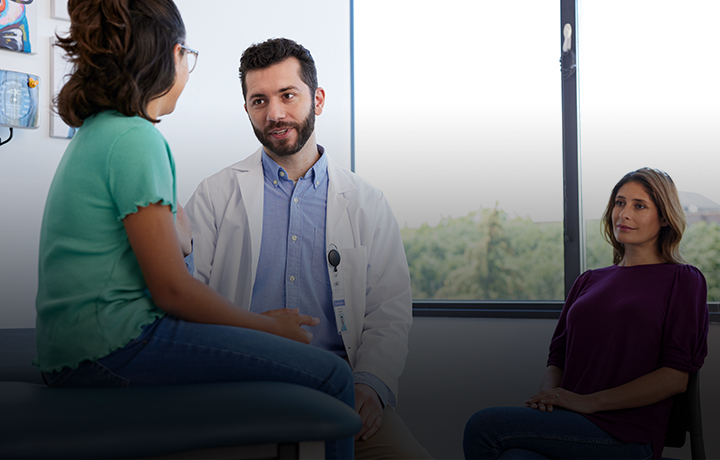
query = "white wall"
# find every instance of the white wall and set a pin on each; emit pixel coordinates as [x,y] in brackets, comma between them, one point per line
[208,131]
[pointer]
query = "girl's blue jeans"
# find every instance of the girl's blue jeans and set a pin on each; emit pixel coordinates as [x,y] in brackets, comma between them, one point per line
[522,432]
[171,351]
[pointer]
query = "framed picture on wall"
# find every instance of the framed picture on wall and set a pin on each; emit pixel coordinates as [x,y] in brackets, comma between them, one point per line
[60,10]
[18,19]
[60,70]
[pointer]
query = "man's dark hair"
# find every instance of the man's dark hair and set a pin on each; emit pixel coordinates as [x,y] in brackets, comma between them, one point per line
[274,51]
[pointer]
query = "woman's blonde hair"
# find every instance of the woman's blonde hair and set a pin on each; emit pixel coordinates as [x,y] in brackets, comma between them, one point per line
[661,189]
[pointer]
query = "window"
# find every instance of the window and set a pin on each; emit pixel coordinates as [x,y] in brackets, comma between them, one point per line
[458,119]
[649,97]
[458,122]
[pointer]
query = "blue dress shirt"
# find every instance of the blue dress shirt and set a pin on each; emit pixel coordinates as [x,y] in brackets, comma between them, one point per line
[292,269]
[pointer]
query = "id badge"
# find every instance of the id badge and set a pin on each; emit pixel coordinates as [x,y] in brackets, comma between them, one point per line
[340,318]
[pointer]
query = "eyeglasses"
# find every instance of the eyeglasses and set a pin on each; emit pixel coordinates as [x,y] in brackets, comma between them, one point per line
[192,57]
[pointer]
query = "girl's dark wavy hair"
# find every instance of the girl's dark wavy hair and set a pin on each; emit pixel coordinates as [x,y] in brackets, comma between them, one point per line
[122,56]
[664,195]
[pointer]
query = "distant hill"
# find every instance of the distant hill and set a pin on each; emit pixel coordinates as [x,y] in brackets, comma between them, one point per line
[698,208]
[694,202]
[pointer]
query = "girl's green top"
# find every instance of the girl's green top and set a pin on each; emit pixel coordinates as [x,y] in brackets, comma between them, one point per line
[92,298]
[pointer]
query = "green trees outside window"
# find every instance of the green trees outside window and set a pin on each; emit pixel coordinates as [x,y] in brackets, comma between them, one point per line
[488,256]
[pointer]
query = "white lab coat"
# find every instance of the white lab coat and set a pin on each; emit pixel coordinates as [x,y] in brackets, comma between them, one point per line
[372,279]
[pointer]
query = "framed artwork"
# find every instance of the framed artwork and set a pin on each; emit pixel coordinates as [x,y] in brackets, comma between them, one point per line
[19,99]
[17,25]
[60,10]
[60,70]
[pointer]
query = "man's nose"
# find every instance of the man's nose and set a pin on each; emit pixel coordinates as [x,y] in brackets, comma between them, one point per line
[276,111]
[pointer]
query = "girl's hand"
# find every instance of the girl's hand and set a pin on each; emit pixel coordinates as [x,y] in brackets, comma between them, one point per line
[547,399]
[288,321]
[280,312]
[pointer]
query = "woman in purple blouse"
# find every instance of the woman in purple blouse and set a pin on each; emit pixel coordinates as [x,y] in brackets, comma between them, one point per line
[627,340]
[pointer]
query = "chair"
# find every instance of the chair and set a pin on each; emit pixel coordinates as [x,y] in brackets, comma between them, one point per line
[686,417]
[238,420]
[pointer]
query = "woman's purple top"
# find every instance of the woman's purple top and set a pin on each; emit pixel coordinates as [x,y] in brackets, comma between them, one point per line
[620,323]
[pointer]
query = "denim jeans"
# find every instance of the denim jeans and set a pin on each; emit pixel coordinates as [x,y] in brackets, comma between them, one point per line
[522,432]
[171,351]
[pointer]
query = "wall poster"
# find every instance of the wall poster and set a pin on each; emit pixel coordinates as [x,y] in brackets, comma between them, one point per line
[17,25]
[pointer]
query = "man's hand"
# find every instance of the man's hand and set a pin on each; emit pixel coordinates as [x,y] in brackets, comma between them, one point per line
[368,405]
[183,227]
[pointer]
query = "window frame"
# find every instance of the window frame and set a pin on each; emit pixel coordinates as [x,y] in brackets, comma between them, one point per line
[574,244]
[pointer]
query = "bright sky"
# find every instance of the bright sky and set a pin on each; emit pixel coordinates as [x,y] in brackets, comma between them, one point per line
[458,103]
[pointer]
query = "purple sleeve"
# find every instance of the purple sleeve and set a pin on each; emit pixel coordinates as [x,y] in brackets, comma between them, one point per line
[558,344]
[684,344]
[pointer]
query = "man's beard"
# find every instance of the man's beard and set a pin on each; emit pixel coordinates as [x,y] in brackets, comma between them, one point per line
[283,148]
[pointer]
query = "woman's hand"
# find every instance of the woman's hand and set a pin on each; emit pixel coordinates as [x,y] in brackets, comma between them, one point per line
[547,399]
[648,389]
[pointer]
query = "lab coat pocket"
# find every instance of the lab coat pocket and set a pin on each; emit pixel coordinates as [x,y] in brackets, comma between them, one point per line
[354,267]
[319,258]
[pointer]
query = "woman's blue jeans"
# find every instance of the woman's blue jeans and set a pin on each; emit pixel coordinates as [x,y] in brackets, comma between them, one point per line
[522,432]
[171,351]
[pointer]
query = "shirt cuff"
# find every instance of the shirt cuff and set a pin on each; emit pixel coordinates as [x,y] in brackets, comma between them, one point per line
[190,263]
[386,396]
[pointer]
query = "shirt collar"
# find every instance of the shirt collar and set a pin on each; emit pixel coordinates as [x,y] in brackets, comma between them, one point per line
[274,172]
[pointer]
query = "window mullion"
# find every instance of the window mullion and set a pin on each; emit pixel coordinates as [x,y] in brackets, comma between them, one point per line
[573,223]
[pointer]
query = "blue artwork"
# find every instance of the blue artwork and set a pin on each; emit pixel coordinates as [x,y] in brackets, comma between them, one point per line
[19,99]
[14,29]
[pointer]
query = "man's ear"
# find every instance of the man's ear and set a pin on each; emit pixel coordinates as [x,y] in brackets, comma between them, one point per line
[319,100]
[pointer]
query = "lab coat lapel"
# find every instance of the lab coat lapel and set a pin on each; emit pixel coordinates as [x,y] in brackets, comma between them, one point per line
[338,185]
[252,188]
[340,231]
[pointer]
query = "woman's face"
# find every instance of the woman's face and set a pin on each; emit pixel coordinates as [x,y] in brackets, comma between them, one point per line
[636,220]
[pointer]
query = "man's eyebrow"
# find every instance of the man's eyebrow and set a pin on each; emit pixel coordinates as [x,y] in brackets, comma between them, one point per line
[280,91]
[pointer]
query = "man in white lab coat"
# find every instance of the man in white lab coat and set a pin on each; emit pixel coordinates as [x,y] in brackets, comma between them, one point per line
[288,228]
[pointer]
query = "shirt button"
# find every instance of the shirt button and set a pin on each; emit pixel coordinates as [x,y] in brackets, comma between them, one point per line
[295,200]
[294,237]
[317,183]
[282,174]
[292,279]
[275,182]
